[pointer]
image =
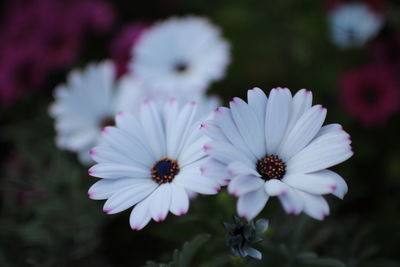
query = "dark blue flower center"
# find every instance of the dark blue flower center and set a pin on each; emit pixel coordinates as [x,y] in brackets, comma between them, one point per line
[181,67]
[271,167]
[164,170]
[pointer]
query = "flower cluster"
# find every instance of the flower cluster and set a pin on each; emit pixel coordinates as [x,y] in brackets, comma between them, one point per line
[39,37]
[156,139]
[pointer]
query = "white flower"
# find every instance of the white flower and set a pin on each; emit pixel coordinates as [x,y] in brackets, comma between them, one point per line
[151,161]
[276,147]
[353,24]
[180,56]
[88,102]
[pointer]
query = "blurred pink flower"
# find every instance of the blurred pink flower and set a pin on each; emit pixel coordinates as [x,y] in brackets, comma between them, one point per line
[121,47]
[97,15]
[19,71]
[370,94]
[385,49]
[40,36]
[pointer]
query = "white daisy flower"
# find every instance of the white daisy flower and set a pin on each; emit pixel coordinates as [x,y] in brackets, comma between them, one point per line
[88,102]
[180,56]
[276,147]
[151,161]
[353,24]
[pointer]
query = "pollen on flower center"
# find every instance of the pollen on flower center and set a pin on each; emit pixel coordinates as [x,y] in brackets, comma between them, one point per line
[271,167]
[164,171]
[181,67]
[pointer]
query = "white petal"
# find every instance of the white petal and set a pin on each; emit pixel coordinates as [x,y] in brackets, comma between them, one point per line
[181,130]
[329,128]
[276,118]
[129,146]
[274,187]
[191,178]
[106,154]
[179,200]
[104,188]
[248,126]
[314,183]
[154,129]
[193,152]
[171,111]
[126,198]
[83,139]
[302,101]
[129,123]
[226,153]
[160,202]
[314,205]
[212,130]
[341,186]
[241,185]
[251,204]
[323,152]
[303,132]
[238,168]
[258,102]
[216,170]
[291,201]
[223,117]
[140,215]
[115,171]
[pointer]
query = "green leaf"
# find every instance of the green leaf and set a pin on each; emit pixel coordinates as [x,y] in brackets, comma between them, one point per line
[183,257]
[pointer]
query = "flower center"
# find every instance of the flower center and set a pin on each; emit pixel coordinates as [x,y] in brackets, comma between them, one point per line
[370,95]
[108,121]
[271,167]
[164,171]
[181,67]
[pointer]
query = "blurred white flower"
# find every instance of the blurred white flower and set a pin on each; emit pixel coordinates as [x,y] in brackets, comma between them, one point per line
[151,161]
[88,102]
[180,56]
[353,24]
[276,147]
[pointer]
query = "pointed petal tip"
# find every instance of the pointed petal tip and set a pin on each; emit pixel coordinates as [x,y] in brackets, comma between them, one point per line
[217,111]
[107,210]
[182,212]
[160,218]
[92,152]
[207,148]
[91,171]
[105,130]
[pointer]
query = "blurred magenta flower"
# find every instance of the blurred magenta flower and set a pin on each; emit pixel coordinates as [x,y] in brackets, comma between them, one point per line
[370,94]
[39,36]
[121,47]
[385,49]
[19,71]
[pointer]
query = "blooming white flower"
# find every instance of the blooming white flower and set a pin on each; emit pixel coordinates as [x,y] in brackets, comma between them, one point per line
[151,161]
[353,24]
[180,56]
[88,102]
[276,147]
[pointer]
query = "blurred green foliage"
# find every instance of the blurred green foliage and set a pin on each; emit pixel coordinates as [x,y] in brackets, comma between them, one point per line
[46,218]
